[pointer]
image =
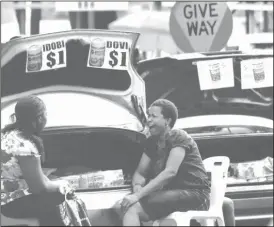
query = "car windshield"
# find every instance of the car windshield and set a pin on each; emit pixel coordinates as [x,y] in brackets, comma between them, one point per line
[72,109]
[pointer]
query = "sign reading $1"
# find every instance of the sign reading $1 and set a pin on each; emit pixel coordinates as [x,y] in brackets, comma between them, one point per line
[108,53]
[46,56]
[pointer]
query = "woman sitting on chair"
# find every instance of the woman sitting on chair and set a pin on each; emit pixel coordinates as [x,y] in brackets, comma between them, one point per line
[22,178]
[170,176]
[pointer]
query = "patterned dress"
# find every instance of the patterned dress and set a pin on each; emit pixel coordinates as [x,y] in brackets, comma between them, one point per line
[13,186]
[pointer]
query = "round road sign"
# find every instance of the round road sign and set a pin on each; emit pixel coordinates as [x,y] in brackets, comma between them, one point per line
[200,26]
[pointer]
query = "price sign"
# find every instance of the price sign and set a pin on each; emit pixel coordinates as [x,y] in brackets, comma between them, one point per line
[257,73]
[46,56]
[215,74]
[108,53]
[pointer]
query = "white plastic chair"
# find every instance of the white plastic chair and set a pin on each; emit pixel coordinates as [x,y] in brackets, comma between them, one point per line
[6,221]
[218,168]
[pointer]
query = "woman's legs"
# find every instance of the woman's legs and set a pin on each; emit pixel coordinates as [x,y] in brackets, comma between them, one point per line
[24,207]
[162,203]
[34,206]
[135,215]
[228,210]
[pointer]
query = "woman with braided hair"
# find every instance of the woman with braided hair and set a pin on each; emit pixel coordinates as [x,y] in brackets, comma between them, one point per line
[22,178]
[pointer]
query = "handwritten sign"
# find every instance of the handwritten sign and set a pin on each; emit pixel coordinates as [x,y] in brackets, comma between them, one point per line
[108,53]
[215,74]
[46,56]
[200,26]
[257,73]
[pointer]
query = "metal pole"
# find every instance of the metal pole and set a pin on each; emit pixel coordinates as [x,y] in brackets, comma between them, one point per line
[35,20]
[266,20]
[158,7]
[247,22]
[21,17]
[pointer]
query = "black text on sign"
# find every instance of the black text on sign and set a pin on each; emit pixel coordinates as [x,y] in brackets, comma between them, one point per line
[55,55]
[118,56]
[199,18]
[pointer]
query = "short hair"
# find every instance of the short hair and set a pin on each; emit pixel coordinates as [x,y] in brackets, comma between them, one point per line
[169,110]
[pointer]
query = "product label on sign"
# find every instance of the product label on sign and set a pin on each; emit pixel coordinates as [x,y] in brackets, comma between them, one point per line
[108,53]
[46,56]
[215,74]
[257,73]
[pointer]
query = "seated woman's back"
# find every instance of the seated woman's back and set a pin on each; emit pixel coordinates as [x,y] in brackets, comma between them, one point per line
[21,152]
[15,148]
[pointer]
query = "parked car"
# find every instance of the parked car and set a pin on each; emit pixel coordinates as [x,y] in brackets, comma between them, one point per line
[95,126]
[96,120]
[229,121]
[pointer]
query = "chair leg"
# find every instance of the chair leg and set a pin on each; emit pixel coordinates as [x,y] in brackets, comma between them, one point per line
[180,219]
[185,221]
[207,222]
[220,222]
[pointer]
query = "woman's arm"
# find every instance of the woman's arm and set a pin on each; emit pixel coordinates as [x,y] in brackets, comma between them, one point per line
[33,174]
[139,177]
[174,161]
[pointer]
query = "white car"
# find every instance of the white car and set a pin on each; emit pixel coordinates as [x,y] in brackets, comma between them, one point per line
[230,121]
[95,104]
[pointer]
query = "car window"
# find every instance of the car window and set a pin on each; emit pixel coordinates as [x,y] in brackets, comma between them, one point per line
[74,73]
[208,131]
[212,125]
[241,130]
[225,130]
[76,109]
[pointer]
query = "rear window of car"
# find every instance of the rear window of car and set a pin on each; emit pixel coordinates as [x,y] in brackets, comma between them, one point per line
[76,73]
[226,130]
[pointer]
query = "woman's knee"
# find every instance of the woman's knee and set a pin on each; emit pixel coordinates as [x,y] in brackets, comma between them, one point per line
[135,208]
[228,205]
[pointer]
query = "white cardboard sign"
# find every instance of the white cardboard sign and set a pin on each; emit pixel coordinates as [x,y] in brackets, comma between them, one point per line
[46,56]
[215,74]
[109,53]
[257,73]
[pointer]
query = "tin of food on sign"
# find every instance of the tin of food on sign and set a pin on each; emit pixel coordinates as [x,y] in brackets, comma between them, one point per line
[47,55]
[258,71]
[97,52]
[108,53]
[215,72]
[34,58]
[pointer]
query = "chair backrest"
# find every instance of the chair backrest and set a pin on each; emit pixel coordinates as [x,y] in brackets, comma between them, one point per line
[217,167]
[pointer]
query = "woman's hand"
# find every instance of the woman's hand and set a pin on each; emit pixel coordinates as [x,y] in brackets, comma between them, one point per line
[64,186]
[128,201]
[137,188]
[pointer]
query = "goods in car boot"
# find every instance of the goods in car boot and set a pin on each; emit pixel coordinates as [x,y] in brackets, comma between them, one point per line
[83,181]
[95,179]
[260,170]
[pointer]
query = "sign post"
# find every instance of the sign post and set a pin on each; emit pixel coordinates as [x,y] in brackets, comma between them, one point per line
[200,26]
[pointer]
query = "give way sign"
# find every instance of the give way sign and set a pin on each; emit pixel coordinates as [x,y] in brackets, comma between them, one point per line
[200,26]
